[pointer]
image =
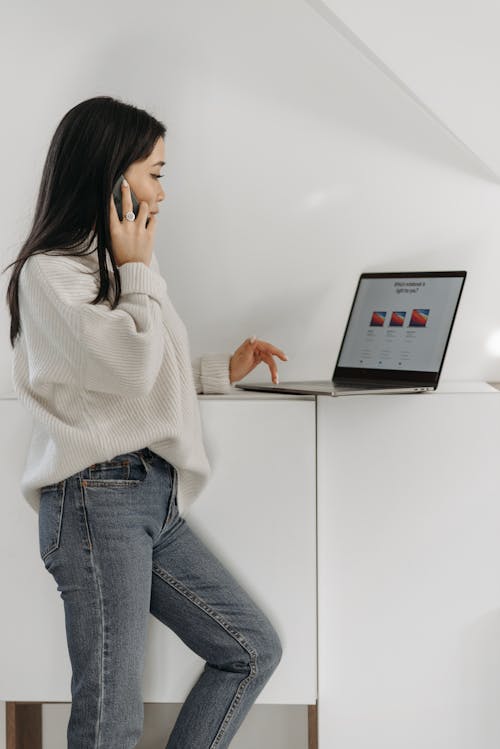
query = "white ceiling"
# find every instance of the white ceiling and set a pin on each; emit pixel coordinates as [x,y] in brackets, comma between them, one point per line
[444,53]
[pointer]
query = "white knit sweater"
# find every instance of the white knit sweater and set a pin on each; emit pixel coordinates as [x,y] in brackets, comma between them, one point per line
[100,382]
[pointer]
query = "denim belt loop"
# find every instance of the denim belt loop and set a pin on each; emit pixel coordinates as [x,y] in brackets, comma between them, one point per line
[174,482]
[144,462]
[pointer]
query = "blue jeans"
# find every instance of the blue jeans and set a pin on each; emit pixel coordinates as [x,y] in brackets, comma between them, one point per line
[112,538]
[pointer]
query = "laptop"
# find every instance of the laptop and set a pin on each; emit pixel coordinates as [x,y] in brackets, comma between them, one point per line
[395,339]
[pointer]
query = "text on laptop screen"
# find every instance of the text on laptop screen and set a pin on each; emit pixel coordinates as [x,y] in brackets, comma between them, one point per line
[400,323]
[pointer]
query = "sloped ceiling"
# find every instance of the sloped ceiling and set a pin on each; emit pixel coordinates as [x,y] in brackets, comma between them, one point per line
[444,53]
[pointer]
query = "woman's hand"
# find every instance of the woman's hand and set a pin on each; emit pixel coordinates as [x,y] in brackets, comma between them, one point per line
[131,241]
[249,354]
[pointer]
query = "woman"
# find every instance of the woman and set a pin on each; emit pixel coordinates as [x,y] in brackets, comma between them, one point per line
[116,455]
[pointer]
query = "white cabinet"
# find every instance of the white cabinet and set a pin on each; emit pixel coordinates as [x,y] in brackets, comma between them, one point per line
[407,522]
[258,514]
[409,571]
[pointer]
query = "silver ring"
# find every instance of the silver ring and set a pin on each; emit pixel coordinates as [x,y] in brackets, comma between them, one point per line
[130,216]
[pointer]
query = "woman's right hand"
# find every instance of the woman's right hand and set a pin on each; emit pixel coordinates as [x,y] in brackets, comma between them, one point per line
[131,241]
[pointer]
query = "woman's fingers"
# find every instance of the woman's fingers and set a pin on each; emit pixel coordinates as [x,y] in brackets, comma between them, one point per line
[268,347]
[126,198]
[265,351]
[272,365]
[113,216]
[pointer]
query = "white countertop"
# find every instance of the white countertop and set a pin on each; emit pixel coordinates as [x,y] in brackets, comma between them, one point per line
[446,386]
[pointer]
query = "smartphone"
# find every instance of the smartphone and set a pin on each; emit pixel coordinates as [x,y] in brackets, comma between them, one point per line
[117,195]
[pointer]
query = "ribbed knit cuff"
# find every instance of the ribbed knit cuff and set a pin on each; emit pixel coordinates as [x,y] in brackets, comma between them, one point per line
[139,278]
[215,373]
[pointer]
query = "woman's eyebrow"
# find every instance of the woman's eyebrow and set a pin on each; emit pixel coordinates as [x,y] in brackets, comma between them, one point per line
[159,163]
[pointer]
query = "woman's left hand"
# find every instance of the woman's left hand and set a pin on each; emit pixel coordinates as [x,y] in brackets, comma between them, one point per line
[252,352]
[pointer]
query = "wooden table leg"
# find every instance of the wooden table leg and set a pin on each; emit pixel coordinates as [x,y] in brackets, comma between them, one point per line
[312,721]
[23,725]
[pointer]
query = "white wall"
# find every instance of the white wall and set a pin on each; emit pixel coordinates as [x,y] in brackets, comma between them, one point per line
[445,51]
[293,165]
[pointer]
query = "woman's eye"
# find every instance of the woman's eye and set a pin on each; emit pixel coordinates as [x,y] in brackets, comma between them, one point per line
[157,176]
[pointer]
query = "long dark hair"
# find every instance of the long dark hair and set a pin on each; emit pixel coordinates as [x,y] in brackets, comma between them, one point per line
[93,144]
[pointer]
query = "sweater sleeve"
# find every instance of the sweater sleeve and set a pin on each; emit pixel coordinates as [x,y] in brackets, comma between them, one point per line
[210,371]
[71,341]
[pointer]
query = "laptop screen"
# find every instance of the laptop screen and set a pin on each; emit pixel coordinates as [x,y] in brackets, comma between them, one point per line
[399,326]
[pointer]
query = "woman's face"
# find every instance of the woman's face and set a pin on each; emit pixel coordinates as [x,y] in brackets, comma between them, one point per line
[142,177]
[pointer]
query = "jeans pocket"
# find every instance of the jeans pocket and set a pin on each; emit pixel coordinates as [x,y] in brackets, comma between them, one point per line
[127,469]
[50,516]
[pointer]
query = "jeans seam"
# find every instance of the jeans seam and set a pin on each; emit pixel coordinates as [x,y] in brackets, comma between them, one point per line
[204,606]
[102,628]
[103,654]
